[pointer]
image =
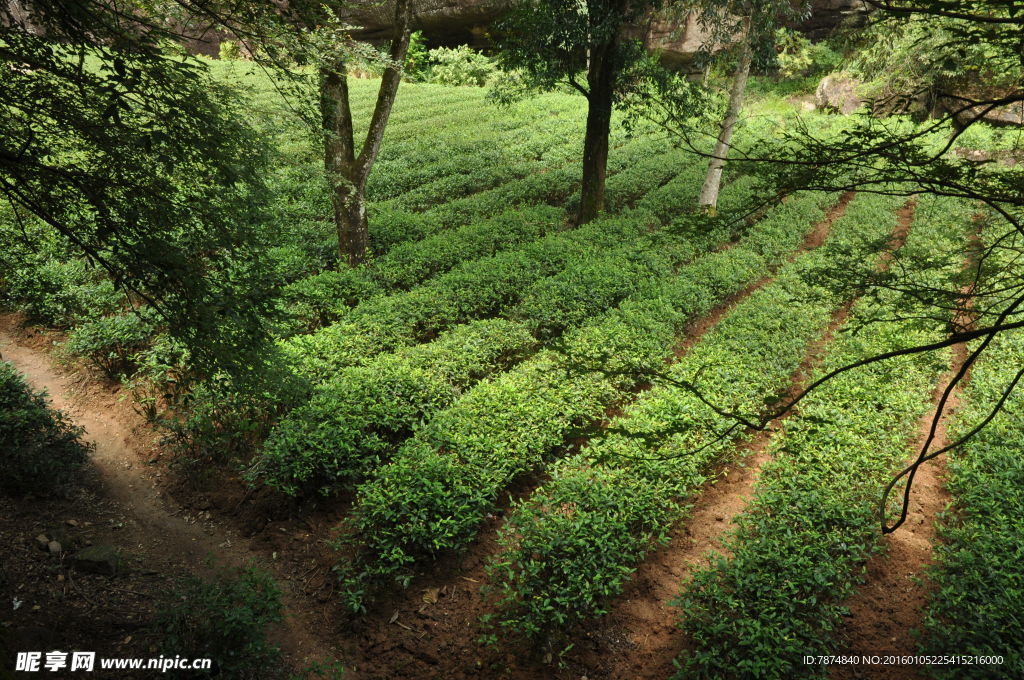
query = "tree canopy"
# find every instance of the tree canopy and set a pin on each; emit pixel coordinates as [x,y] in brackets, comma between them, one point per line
[127,148]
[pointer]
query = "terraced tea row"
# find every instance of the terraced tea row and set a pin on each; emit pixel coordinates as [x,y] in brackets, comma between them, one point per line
[474,289]
[318,443]
[568,549]
[441,484]
[800,545]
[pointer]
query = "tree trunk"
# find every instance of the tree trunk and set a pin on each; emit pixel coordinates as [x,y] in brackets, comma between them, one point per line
[350,218]
[346,172]
[713,181]
[339,161]
[601,81]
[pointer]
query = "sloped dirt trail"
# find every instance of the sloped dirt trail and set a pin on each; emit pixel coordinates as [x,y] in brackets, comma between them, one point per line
[159,531]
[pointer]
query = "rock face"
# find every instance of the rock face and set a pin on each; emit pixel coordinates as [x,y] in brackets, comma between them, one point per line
[837,93]
[449,22]
[455,22]
[468,22]
[827,14]
[1003,116]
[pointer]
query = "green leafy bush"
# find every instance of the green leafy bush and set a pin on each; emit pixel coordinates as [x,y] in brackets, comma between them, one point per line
[415,57]
[229,50]
[800,57]
[316,301]
[460,66]
[113,343]
[359,416]
[40,449]
[223,618]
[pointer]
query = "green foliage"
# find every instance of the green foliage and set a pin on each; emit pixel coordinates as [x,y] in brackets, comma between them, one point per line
[460,66]
[979,590]
[222,421]
[319,300]
[624,491]
[142,163]
[113,343]
[357,417]
[44,276]
[904,59]
[416,57]
[229,51]
[224,618]
[40,448]
[799,57]
[412,263]
[549,41]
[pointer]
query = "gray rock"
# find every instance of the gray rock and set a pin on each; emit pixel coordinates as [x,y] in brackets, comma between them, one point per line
[837,92]
[98,559]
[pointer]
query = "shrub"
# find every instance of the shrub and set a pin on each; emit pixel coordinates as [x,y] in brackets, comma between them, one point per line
[40,449]
[800,57]
[460,66]
[415,57]
[113,343]
[229,51]
[316,301]
[358,418]
[223,618]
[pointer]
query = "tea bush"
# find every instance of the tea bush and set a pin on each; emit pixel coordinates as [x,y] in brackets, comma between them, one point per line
[40,449]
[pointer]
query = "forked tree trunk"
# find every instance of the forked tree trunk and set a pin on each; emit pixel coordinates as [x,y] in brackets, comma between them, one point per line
[601,82]
[708,199]
[347,172]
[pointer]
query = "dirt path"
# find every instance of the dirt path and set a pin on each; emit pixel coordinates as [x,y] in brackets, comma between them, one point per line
[160,531]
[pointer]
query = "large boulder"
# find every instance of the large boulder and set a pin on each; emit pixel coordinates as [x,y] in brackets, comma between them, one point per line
[98,559]
[1002,116]
[837,93]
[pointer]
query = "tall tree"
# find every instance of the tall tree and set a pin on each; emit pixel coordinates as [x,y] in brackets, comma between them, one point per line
[554,42]
[311,45]
[748,27]
[347,168]
[708,199]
